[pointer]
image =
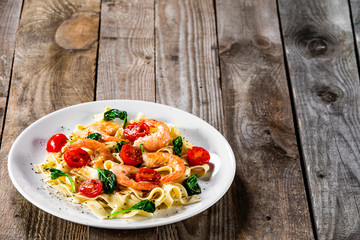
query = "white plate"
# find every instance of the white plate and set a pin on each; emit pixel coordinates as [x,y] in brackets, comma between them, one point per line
[30,148]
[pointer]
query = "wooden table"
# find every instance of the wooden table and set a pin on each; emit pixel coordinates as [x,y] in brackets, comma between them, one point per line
[278,78]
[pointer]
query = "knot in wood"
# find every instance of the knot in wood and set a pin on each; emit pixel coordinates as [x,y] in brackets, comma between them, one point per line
[317,46]
[321,174]
[78,32]
[261,42]
[315,42]
[328,94]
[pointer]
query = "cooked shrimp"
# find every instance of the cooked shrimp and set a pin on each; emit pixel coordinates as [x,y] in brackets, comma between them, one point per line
[100,152]
[161,159]
[107,131]
[156,140]
[124,176]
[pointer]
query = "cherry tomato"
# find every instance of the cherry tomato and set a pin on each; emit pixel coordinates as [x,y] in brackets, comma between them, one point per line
[147,175]
[198,156]
[91,188]
[56,143]
[76,157]
[130,155]
[135,130]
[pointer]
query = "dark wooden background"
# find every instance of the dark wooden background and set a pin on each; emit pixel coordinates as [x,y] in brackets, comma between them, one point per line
[279,78]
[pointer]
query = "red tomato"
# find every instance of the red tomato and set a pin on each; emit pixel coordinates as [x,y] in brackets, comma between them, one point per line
[76,157]
[147,175]
[136,130]
[198,156]
[56,143]
[91,188]
[130,155]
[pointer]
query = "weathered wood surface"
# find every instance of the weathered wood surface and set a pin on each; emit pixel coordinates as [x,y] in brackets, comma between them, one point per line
[126,54]
[222,61]
[324,75]
[269,197]
[187,78]
[126,70]
[47,75]
[9,19]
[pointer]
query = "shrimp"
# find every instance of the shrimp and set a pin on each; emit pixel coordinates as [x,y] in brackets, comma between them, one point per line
[124,176]
[107,131]
[100,152]
[161,159]
[156,140]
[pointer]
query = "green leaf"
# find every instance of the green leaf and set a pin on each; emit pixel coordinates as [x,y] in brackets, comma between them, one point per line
[191,185]
[94,136]
[144,205]
[141,148]
[115,113]
[119,145]
[108,178]
[55,173]
[178,143]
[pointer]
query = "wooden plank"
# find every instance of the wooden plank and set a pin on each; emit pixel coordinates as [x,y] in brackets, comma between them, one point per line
[9,19]
[187,78]
[269,193]
[47,75]
[126,70]
[126,59]
[321,58]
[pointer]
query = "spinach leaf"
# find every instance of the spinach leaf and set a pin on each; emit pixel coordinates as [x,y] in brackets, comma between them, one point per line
[178,143]
[55,173]
[115,113]
[108,179]
[144,205]
[191,185]
[119,145]
[94,136]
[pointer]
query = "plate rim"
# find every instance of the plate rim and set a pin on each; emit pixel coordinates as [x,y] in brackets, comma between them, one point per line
[142,224]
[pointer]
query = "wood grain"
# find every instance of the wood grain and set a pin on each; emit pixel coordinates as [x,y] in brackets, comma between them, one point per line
[187,77]
[45,77]
[324,75]
[9,20]
[126,70]
[269,194]
[126,59]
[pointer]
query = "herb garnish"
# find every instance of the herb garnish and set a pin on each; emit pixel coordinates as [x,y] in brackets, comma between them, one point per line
[55,173]
[191,185]
[115,113]
[95,136]
[178,143]
[108,179]
[144,205]
[141,148]
[119,145]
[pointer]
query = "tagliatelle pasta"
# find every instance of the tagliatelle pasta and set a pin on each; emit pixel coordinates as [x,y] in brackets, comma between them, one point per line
[105,144]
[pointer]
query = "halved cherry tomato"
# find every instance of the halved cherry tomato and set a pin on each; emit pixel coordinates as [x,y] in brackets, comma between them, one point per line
[130,155]
[198,156]
[56,143]
[135,130]
[91,188]
[76,157]
[147,175]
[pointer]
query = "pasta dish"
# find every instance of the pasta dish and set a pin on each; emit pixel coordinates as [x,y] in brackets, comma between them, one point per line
[121,169]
